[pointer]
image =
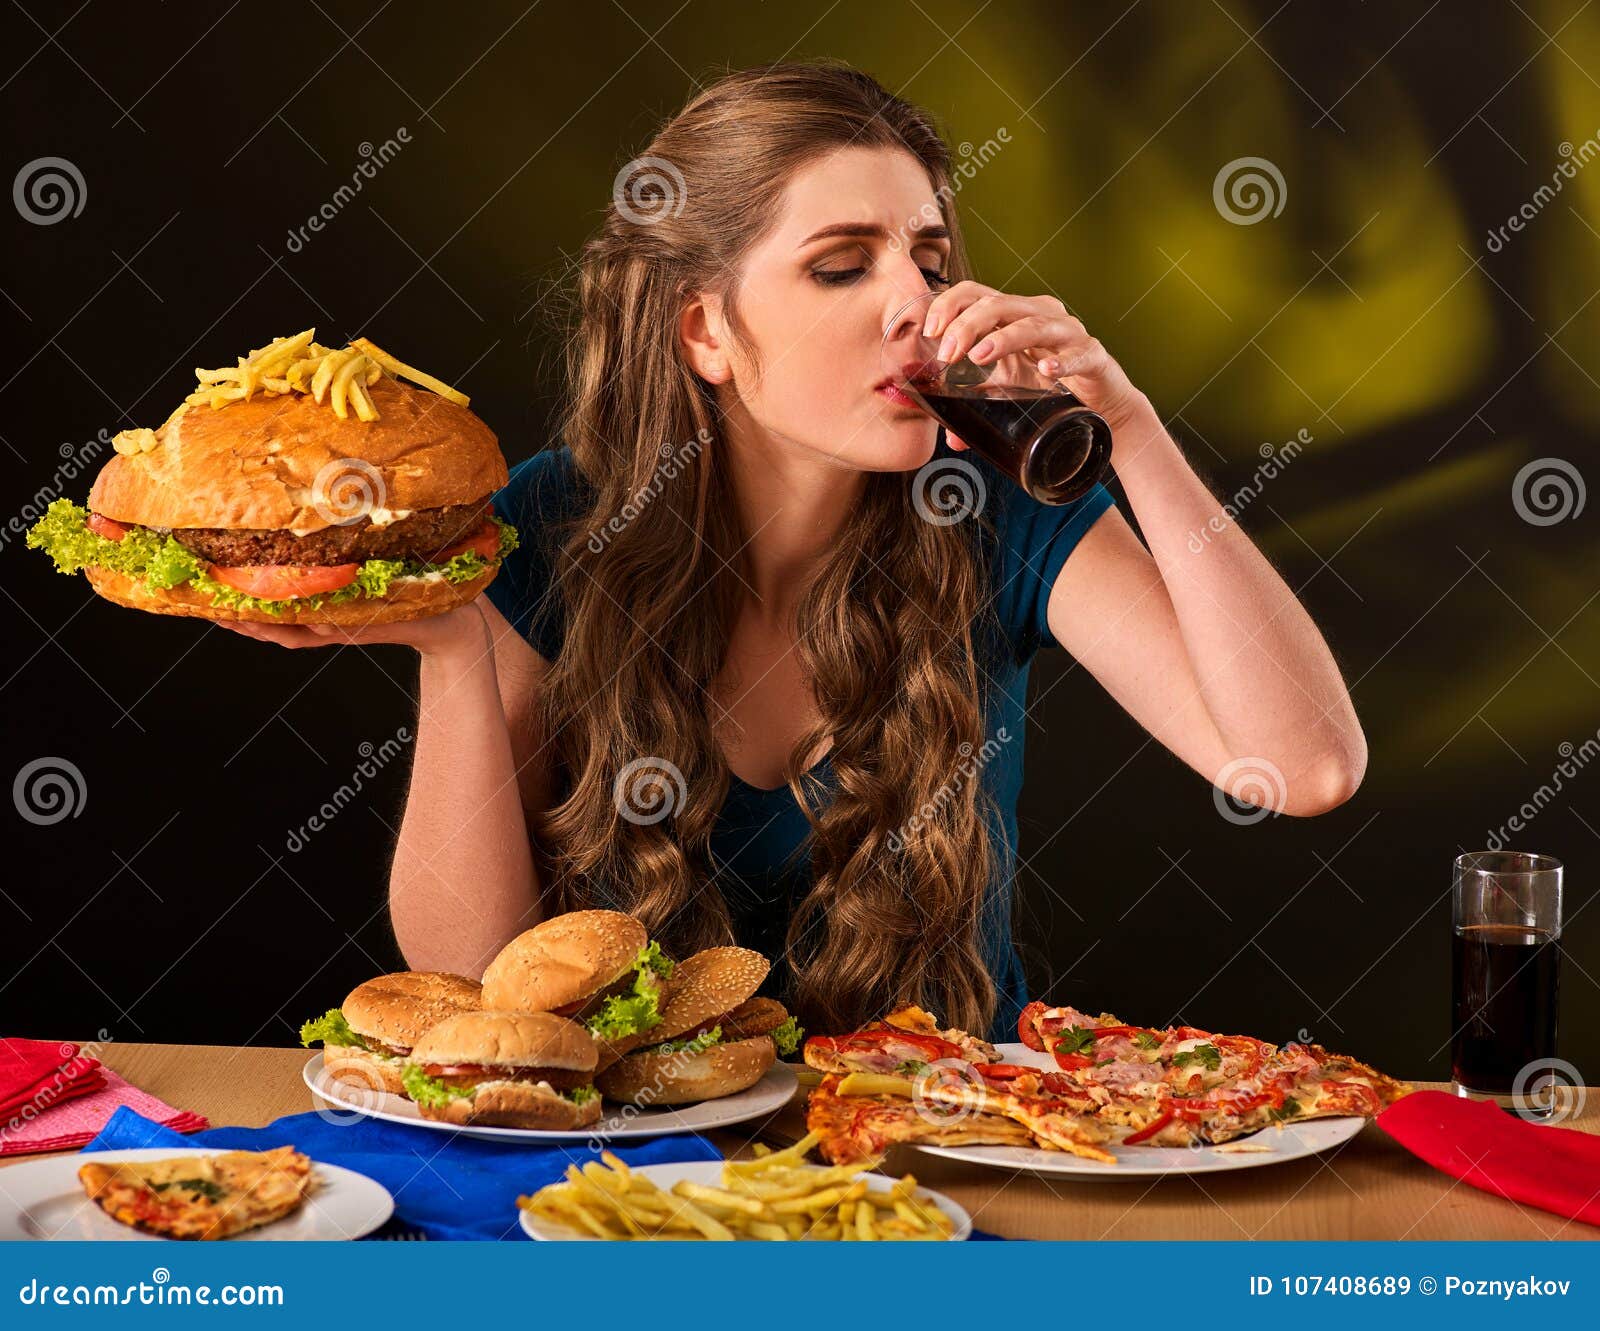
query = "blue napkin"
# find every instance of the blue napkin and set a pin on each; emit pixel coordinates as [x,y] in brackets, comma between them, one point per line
[444,1186]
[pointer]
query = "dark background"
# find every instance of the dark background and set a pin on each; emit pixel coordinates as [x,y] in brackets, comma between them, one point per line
[1370,312]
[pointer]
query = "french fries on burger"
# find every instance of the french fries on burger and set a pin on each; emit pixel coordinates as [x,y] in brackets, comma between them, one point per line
[304,484]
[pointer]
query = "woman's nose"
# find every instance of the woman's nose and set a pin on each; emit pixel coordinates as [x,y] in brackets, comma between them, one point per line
[909,311]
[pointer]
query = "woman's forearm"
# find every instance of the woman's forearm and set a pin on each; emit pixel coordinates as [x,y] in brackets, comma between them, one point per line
[1266,676]
[463,881]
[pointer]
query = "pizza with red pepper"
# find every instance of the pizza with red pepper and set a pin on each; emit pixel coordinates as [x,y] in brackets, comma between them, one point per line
[1182,1086]
[902,1079]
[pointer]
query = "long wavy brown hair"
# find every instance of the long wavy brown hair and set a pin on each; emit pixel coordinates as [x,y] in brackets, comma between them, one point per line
[885,630]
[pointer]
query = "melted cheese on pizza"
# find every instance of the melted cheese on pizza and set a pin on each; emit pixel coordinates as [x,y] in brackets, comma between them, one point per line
[201,1196]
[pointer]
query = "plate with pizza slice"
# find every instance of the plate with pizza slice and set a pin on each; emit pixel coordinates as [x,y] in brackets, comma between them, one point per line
[189,1193]
[1091,1097]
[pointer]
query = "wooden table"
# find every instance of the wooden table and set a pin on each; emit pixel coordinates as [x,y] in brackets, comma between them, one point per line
[1370,1188]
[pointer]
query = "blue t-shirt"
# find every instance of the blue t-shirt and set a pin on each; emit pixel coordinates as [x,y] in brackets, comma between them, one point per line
[759,847]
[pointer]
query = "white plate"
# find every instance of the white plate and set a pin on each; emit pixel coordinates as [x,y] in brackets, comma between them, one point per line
[773,1091]
[1270,1146]
[709,1172]
[43,1199]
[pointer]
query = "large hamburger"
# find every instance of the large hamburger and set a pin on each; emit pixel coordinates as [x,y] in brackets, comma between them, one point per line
[714,1039]
[305,485]
[507,1070]
[596,967]
[367,1039]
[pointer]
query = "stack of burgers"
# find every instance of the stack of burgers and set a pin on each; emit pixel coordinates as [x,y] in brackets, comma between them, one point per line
[582,1006]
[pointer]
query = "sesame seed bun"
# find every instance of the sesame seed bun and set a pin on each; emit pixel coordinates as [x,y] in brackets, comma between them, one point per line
[646,1078]
[567,959]
[398,1009]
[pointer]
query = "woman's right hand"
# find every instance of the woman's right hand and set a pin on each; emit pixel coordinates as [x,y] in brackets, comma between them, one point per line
[458,631]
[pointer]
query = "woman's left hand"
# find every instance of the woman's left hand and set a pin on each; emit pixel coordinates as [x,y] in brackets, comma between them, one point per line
[971,318]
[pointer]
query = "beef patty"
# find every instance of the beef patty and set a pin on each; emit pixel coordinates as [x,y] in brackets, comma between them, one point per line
[423,535]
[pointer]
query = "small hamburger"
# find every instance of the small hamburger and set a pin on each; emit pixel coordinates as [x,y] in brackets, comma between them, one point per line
[304,485]
[719,1039]
[505,1070]
[366,1040]
[596,967]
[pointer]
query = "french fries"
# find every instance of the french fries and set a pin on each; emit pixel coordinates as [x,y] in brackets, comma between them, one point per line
[299,364]
[776,1197]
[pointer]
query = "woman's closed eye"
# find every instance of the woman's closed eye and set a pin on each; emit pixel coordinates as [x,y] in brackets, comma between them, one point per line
[834,277]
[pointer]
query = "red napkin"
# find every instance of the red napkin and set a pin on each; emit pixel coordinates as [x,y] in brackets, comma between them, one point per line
[1555,1169]
[53,1097]
[36,1074]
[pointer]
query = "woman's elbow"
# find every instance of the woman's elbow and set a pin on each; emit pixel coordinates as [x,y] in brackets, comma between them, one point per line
[1328,782]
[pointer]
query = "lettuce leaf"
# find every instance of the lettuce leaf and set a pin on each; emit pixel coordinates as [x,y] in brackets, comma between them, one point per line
[434,1093]
[430,1091]
[164,562]
[639,1010]
[651,957]
[332,1029]
[787,1036]
[628,1014]
[694,1044]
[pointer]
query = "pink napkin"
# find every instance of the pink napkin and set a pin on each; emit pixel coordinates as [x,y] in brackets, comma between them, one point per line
[67,1126]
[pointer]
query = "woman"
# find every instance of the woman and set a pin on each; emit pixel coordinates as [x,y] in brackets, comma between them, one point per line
[736,681]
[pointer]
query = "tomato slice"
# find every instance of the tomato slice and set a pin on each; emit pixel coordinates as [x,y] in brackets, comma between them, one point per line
[1027,1026]
[1004,1071]
[486,541]
[284,582]
[111,529]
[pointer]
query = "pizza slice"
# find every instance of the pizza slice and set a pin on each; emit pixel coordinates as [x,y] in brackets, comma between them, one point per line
[1182,1086]
[904,1043]
[1052,1111]
[201,1196]
[859,1127]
